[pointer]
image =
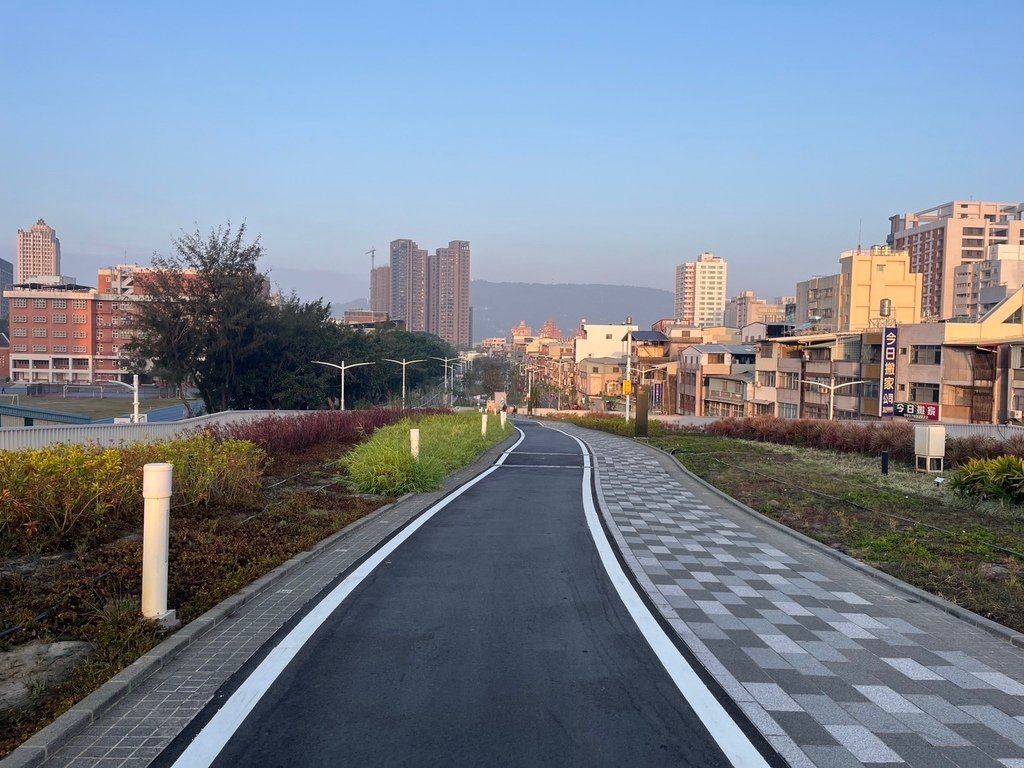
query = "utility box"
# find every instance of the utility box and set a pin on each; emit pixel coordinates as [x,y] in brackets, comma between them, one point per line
[929,447]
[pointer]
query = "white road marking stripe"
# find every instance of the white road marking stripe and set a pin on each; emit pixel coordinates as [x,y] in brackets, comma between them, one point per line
[222,726]
[723,729]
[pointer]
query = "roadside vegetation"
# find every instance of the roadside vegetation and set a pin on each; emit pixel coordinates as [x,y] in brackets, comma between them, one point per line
[384,463]
[962,540]
[247,497]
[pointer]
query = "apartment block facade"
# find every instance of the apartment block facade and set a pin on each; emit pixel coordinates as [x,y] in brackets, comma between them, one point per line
[852,299]
[380,289]
[746,308]
[942,238]
[980,285]
[38,252]
[700,290]
[6,281]
[431,293]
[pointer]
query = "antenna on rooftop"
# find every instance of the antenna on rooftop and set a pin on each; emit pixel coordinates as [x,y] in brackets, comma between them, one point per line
[860,227]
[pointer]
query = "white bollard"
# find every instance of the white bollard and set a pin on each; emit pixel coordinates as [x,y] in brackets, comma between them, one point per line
[156,490]
[483,425]
[414,443]
[504,417]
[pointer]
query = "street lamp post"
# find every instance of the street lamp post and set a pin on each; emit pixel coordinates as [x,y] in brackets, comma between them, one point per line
[341,368]
[446,361]
[134,387]
[404,363]
[629,367]
[832,391]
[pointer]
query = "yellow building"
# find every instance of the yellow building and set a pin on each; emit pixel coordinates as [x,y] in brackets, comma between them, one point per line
[867,278]
[852,300]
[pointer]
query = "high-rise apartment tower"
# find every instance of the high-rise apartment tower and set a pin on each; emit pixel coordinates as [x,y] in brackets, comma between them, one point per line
[38,252]
[431,292]
[700,290]
[942,238]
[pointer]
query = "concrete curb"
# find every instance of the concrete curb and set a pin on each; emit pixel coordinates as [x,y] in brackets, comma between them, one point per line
[44,743]
[1005,633]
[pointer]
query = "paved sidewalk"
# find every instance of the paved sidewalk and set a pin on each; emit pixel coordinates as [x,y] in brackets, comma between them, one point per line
[834,666]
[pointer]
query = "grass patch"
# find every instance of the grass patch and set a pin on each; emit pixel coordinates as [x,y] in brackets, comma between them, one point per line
[384,463]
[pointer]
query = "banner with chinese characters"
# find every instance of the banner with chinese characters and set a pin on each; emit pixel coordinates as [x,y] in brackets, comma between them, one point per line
[928,411]
[887,386]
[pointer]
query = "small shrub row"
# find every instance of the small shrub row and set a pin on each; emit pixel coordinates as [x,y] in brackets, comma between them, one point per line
[278,435]
[384,465]
[897,438]
[871,439]
[65,495]
[999,479]
[615,424]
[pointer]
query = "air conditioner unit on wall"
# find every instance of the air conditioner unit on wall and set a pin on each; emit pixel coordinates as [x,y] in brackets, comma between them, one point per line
[1016,415]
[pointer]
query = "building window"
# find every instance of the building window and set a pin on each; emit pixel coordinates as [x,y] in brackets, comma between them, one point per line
[38,347]
[78,303]
[787,410]
[19,302]
[78,349]
[79,334]
[20,318]
[926,354]
[38,318]
[60,318]
[39,303]
[39,333]
[766,378]
[79,319]
[594,369]
[19,331]
[60,303]
[20,348]
[788,380]
[60,334]
[924,393]
[60,348]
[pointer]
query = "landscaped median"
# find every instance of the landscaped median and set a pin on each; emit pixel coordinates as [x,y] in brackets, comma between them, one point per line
[962,540]
[247,498]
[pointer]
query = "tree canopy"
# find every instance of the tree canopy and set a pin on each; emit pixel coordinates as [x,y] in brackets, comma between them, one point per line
[208,321]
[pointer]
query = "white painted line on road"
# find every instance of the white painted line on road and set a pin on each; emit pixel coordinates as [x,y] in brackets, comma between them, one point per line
[218,731]
[723,729]
[542,466]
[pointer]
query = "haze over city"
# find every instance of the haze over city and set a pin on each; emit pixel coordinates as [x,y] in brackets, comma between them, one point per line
[571,143]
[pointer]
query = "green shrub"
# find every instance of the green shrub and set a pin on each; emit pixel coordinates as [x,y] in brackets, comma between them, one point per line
[615,424]
[66,496]
[1000,479]
[384,465]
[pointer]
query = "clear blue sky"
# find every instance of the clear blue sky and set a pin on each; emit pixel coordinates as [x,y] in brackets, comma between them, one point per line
[570,142]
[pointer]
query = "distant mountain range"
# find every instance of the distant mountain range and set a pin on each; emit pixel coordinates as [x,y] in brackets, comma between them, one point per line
[498,307]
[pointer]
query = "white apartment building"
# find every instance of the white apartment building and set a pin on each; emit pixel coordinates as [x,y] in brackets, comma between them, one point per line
[980,285]
[602,340]
[701,290]
[38,252]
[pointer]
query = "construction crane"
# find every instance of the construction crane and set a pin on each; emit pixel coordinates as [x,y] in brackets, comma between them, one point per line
[371,253]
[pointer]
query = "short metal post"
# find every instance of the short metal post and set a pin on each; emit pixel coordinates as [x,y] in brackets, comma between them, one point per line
[483,424]
[504,417]
[414,443]
[156,491]
[885,462]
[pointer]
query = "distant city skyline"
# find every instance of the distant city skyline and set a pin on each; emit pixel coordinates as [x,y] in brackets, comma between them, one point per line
[569,143]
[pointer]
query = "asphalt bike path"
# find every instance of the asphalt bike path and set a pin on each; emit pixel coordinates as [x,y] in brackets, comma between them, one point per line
[492,635]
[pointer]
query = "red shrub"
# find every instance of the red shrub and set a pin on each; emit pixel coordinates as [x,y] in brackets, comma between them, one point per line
[290,434]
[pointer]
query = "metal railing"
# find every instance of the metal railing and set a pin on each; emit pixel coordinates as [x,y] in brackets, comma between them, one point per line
[17,438]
